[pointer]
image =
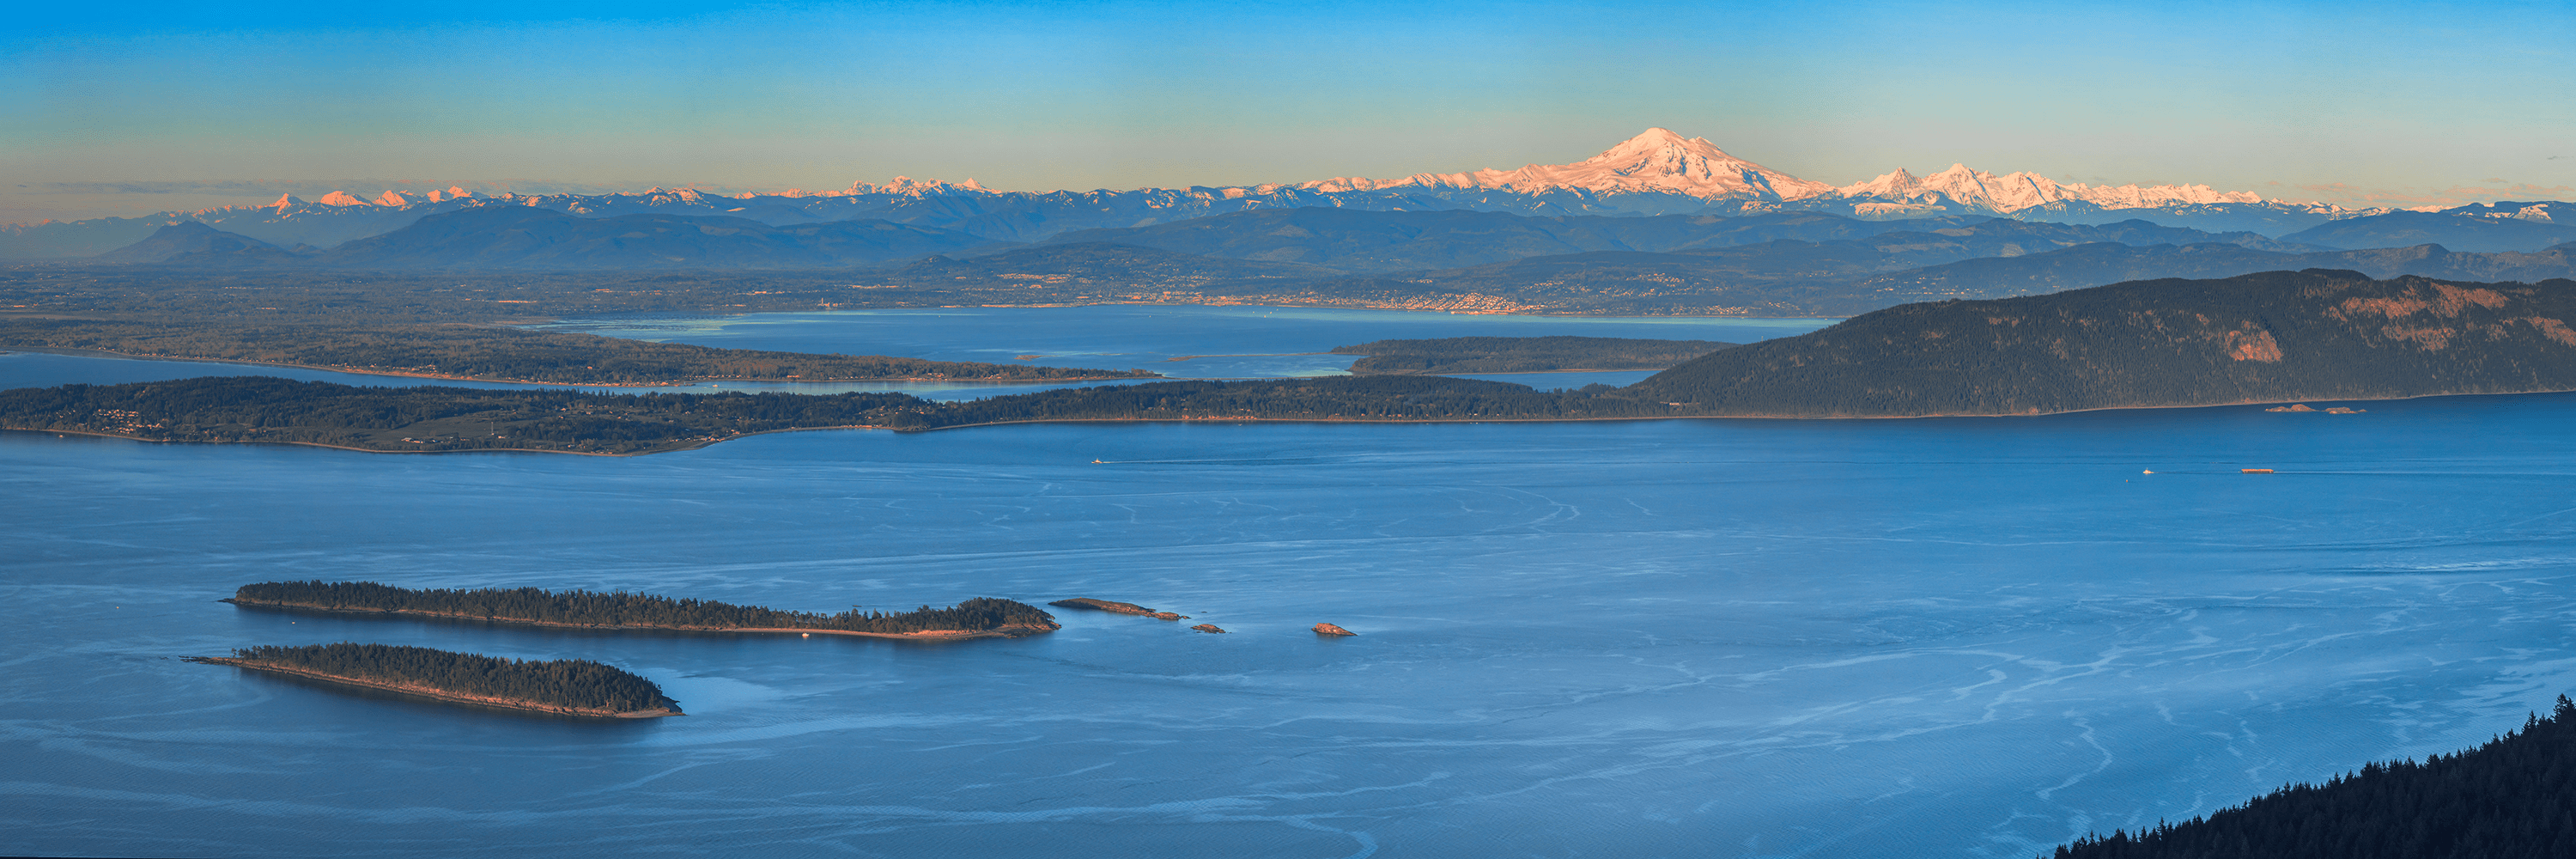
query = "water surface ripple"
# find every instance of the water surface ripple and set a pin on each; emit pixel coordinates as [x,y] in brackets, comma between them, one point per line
[1969,637]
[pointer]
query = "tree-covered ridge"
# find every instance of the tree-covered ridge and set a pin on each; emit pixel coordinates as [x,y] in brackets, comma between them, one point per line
[499,353]
[1522,354]
[263,409]
[621,609]
[567,684]
[2512,798]
[1328,398]
[2272,337]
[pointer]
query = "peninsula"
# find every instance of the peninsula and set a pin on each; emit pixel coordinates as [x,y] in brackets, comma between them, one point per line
[983,617]
[569,687]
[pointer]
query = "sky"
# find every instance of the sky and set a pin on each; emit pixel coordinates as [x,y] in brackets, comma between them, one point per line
[131,108]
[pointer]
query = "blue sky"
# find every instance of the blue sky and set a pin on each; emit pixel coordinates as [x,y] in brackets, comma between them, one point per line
[202,103]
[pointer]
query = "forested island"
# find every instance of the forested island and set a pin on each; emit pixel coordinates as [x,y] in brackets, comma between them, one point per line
[982,617]
[2275,337]
[572,687]
[2508,799]
[1522,354]
[430,419]
[500,353]
[1117,608]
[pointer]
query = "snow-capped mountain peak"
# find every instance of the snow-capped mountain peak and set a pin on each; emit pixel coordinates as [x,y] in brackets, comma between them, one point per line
[910,187]
[1657,161]
[2012,192]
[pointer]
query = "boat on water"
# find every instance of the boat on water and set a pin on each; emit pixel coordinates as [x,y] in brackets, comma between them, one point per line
[2255,470]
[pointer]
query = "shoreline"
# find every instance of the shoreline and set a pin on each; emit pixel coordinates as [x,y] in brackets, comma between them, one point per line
[925,635]
[437,694]
[402,374]
[702,442]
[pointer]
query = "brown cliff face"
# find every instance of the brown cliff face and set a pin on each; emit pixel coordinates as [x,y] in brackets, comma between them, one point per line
[1329,629]
[1206,627]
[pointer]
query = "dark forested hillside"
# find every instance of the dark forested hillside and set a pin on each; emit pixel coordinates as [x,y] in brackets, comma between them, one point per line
[2270,337]
[2513,798]
[1330,398]
[645,611]
[263,409]
[1522,354]
[578,685]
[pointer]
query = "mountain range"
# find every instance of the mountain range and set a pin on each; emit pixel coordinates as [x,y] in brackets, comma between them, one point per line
[1655,173]
[1773,264]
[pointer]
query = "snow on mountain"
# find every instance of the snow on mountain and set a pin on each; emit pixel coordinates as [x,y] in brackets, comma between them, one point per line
[1657,161]
[2013,192]
[1654,173]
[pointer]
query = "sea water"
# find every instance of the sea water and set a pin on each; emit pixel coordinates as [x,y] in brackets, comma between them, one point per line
[1954,637]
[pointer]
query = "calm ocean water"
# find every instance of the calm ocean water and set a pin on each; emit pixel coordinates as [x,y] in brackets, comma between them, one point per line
[1961,637]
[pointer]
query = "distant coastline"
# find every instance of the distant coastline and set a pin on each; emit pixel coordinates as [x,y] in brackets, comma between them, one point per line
[365,371]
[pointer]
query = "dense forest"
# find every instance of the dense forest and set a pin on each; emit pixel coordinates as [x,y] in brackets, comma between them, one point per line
[1328,398]
[1522,354]
[566,684]
[441,419]
[2271,337]
[499,353]
[621,609]
[2512,798]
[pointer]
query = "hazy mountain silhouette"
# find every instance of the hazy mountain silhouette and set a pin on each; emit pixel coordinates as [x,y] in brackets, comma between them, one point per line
[201,243]
[526,237]
[2459,232]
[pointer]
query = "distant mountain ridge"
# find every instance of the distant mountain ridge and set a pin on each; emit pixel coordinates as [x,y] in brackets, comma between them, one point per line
[1374,242]
[534,238]
[1655,173]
